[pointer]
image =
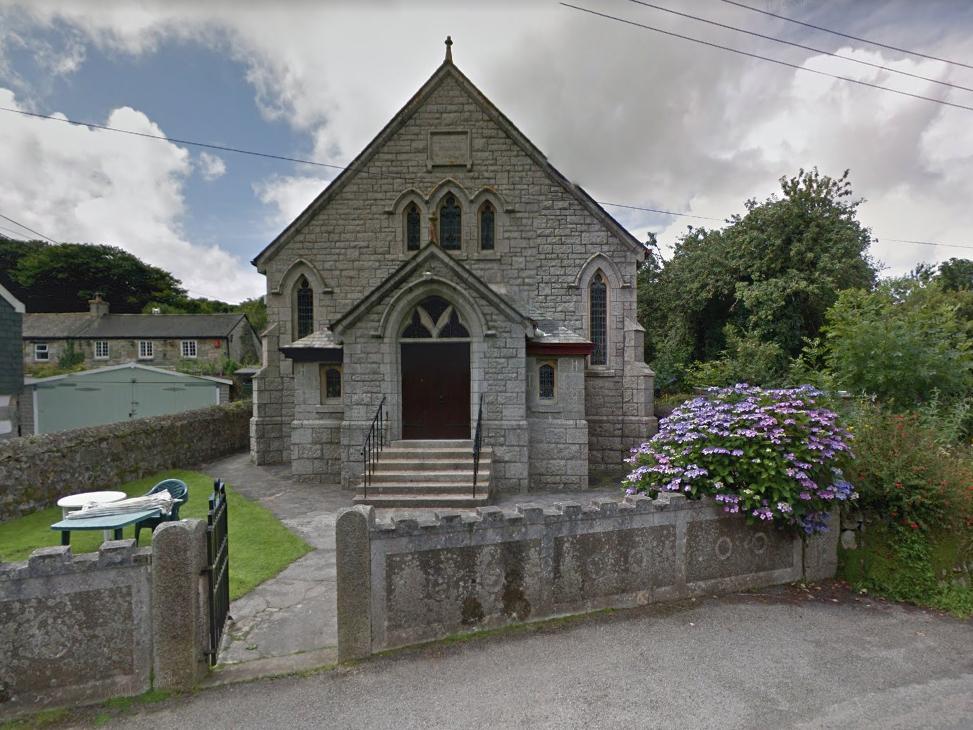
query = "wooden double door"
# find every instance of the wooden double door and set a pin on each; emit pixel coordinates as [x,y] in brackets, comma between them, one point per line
[435,390]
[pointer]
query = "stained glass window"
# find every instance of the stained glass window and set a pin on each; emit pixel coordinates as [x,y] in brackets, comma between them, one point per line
[598,322]
[450,224]
[304,306]
[434,317]
[412,227]
[545,377]
[487,226]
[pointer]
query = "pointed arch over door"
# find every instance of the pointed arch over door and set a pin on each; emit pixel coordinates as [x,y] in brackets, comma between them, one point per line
[435,363]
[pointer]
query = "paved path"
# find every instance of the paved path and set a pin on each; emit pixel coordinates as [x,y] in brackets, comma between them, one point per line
[771,660]
[295,612]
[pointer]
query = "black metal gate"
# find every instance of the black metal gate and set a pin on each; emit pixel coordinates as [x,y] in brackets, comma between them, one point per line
[218,568]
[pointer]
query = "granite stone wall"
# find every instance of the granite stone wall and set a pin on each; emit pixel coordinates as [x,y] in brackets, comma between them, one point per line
[413,580]
[79,629]
[36,471]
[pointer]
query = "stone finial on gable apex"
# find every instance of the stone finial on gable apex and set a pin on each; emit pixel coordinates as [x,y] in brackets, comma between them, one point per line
[449,49]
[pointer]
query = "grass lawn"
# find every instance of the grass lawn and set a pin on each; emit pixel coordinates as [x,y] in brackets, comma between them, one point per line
[258,552]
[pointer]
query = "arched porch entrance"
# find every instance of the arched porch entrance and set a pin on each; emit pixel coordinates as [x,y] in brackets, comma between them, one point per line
[435,368]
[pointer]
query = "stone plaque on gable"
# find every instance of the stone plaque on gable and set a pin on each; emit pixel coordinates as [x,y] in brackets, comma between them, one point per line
[449,148]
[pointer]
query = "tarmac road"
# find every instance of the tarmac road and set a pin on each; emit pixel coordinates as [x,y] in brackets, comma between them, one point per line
[780,658]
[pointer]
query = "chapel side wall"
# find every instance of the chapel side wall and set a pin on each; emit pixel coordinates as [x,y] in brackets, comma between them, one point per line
[544,239]
[402,582]
[558,428]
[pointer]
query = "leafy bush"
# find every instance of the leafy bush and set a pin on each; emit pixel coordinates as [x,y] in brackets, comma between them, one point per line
[899,343]
[745,359]
[71,359]
[226,366]
[768,454]
[906,473]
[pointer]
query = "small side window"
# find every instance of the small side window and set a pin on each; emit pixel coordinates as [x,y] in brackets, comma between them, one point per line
[413,227]
[487,226]
[41,353]
[547,380]
[330,383]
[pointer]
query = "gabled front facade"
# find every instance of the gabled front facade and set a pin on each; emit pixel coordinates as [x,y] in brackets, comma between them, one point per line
[451,265]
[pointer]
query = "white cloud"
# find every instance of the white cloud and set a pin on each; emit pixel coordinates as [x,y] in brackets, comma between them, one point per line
[211,166]
[88,185]
[289,195]
[633,116]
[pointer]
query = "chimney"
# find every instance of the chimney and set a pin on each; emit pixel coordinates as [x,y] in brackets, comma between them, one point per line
[98,306]
[156,310]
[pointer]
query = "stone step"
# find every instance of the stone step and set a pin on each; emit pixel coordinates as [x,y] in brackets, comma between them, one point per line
[396,452]
[414,477]
[433,444]
[385,465]
[407,499]
[423,488]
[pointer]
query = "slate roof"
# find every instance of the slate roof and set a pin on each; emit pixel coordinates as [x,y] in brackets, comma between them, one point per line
[82,325]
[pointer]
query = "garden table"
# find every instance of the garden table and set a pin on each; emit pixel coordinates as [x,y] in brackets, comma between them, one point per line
[77,501]
[113,523]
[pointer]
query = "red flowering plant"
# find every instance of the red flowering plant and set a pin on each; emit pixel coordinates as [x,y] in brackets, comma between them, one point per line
[769,454]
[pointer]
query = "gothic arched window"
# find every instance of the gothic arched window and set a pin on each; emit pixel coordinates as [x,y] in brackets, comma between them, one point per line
[487,226]
[303,309]
[450,224]
[413,227]
[598,318]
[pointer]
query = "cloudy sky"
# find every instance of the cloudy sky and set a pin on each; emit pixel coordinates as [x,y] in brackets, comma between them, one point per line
[634,116]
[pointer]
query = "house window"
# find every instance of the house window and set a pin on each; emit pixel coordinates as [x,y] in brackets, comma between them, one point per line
[146,350]
[413,227]
[546,380]
[487,226]
[304,308]
[101,349]
[41,353]
[450,224]
[330,383]
[188,349]
[598,319]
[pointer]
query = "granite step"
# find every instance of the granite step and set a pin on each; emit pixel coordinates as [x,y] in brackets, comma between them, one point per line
[408,499]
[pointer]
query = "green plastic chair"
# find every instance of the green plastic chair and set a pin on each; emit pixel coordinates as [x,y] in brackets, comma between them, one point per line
[180,494]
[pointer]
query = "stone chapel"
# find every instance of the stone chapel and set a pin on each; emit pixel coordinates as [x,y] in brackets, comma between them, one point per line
[451,310]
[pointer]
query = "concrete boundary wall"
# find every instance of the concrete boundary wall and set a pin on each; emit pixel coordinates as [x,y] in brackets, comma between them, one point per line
[413,580]
[79,629]
[37,470]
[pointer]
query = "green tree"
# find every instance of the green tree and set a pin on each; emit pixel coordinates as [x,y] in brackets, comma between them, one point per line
[956,275]
[902,343]
[771,273]
[62,277]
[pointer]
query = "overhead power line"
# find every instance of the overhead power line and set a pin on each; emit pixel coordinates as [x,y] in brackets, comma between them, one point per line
[846,35]
[162,137]
[766,58]
[801,45]
[36,233]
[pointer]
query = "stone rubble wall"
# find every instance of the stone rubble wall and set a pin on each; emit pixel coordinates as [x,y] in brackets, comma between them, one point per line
[80,629]
[37,470]
[413,580]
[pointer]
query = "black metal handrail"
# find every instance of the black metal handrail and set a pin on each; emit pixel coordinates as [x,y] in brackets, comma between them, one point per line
[370,449]
[477,443]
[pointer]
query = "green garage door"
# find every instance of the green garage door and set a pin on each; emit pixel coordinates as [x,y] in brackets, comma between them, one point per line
[114,394]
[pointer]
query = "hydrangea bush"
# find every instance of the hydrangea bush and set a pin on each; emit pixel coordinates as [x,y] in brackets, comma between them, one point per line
[768,454]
